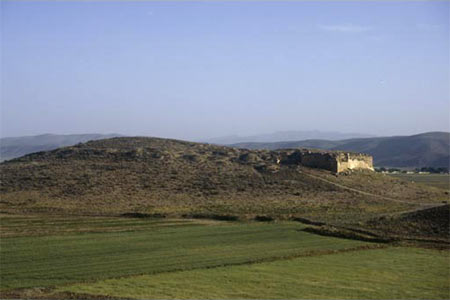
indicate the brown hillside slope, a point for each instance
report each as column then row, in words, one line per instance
column 426, row 223
column 150, row 175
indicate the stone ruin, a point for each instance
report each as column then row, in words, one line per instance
column 334, row 161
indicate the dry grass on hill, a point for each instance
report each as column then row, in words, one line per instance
column 175, row 178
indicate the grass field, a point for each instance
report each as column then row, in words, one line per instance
column 437, row 180
column 31, row 261
column 392, row 273
column 148, row 258
column 15, row 226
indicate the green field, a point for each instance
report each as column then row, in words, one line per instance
column 437, row 180
column 148, row 258
column 393, row 273
column 30, row 261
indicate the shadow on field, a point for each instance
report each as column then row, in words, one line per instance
column 211, row 217
column 142, row 215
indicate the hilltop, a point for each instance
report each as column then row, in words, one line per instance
column 430, row 149
column 12, row 147
column 176, row 178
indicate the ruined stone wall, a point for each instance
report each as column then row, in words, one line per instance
column 319, row 160
column 333, row 161
column 353, row 161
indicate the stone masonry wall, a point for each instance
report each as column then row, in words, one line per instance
column 320, row 160
column 334, row 161
column 351, row 161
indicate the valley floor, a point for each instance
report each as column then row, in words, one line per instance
column 86, row 257
column 441, row 181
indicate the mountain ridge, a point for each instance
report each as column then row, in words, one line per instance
column 284, row 136
column 430, row 149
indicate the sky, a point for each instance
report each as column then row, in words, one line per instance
column 193, row 70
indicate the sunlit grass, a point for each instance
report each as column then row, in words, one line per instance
column 392, row 273
column 39, row 261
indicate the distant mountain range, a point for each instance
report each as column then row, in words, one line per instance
column 285, row 136
column 12, row 147
column 431, row 149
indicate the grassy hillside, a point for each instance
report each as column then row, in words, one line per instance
column 175, row 178
column 422, row 150
column 429, row 223
column 13, row 147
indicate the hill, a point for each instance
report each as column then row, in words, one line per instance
column 424, row 223
column 430, row 149
column 152, row 176
column 13, row 147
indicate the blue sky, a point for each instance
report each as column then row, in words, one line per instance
column 204, row 69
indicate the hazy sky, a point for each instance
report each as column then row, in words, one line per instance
column 205, row 69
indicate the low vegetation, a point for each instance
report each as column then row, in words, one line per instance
column 122, row 257
column 441, row 181
column 392, row 273
column 426, row 224
column 62, row 257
